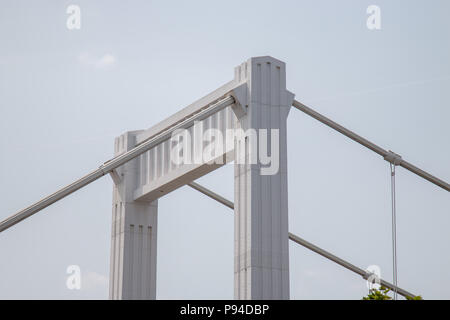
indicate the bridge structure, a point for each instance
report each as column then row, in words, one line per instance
column 245, row 122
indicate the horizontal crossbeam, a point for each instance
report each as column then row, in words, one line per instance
column 309, row 245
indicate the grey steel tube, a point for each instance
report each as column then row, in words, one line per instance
column 308, row 245
column 382, row 152
column 212, row 194
column 114, row 163
column 408, row 166
column 347, row 265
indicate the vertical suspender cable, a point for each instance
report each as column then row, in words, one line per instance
column 394, row 230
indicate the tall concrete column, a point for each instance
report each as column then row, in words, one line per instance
column 261, row 198
column 134, row 232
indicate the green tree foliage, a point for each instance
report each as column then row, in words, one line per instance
column 376, row 294
column 414, row 298
column 382, row 294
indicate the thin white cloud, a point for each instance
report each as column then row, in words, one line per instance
column 94, row 281
column 106, row 61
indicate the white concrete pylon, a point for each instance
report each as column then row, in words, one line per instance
column 261, row 201
column 133, row 234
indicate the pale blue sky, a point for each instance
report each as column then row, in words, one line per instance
column 65, row 95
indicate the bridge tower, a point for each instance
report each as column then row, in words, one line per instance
column 133, row 232
column 261, row 253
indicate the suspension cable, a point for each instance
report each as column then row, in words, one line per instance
column 116, row 162
column 387, row 155
column 365, row 274
column 394, row 229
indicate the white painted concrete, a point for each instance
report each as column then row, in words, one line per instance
column 159, row 175
column 134, row 233
column 261, row 201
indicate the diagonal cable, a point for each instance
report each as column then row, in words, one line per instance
column 365, row 274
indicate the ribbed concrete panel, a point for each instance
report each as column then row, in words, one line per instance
column 162, row 175
column 261, row 212
column 134, row 231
